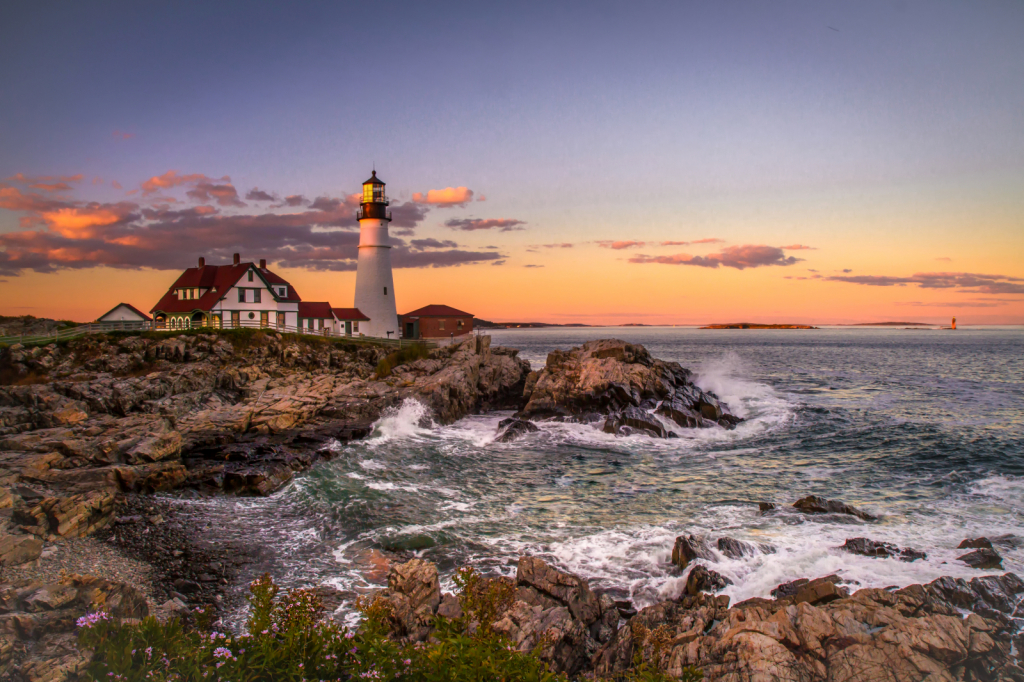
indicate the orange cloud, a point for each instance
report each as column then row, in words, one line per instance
column 172, row 179
column 80, row 223
column 799, row 247
column 51, row 187
column 449, row 196
column 619, row 245
column 115, row 184
column 739, row 257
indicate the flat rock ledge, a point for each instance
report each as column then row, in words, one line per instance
column 814, row 631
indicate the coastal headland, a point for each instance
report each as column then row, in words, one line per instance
column 92, row 427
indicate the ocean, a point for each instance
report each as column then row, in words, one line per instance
column 924, row 428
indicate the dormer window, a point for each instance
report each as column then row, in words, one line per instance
column 250, row 275
column 283, row 291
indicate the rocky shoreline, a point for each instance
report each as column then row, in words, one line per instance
column 90, row 428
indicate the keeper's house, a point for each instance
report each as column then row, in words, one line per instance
column 240, row 295
column 435, row 322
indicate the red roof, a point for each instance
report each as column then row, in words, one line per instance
column 315, row 309
column 130, row 307
column 350, row 314
column 217, row 279
column 434, row 310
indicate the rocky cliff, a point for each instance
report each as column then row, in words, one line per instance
column 235, row 412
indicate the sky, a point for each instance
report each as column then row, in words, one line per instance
column 576, row 162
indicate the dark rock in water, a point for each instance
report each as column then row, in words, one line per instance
column 765, row 507
column 814, row 504
column 688, row 548
column 873, row 548
column 790, row 588
column 514, row 429
column 709, row 407
column 1008, row 540
column 682, row 415
column 642, row 421
column 982, row 558
column 975, row 543
column 735, row 549
column 609, row 376
column 729, row 421
column 702, row 579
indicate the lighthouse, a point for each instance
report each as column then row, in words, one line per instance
column 375, row 287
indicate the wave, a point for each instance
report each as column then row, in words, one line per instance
column 411, row 419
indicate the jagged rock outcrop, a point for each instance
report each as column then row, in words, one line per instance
column 513, row 429
column 624, row 387
column 914, row 633
column 982, row 558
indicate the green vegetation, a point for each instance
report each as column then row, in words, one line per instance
column 289, row 640
column 418, row 351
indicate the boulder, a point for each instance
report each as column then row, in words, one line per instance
column 514, row 429
column 680, row 413
column 982, row 558
column 690, row 547
column 634, row 420
column 819, row 505
column 417, row 580
column 737, row 549
column 564, row 588
column 702, row 579
column 873, row 548
column 975, row 543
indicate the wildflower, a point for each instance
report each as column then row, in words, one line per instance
column 91, row 619
column 349, row 635
column 408, row 661
column 222, row 652
column 149, row 651
column 300, row 665
column 133, row 652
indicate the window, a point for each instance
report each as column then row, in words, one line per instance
column 235, row 318
column 252, row 316
column 264, row 319
column 385, row 291
column 440, row 324
column 283, row 290
column 280, row 320
column 309, row 323
column 256, row 297
column 250, row 275
column 461, row 324
column 319, row 324
column 355, row 327
column 241, row 295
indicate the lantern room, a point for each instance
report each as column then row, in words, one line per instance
column 373, row 191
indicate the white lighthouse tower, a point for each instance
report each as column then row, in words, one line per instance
column 375, row 287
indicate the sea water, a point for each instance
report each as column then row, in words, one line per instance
column 924, row 428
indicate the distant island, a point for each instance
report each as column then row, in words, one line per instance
column 890, row 324
column 750, row 325
column 487, row 324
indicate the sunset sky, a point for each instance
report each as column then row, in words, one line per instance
column 659, row 163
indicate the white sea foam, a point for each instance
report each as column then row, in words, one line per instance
column 406, row 421
column 372, row 465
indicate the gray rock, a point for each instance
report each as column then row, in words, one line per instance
column 873, row 548
column 565, row 588
column 982, row 559
column 819, row 505
column 690, row 547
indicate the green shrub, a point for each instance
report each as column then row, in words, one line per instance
column 288, row 640
column 411, row 353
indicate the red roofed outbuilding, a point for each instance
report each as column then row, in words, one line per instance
column 435, row 322
column 349, row 319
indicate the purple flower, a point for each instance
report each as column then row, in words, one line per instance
column 91, row 619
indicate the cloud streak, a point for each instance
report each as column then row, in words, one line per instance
column 738, row 257
column 472, row 224
column 968, row 282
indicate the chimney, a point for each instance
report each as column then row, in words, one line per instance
column 202, row 262
column 238, row 259
column 263, row 263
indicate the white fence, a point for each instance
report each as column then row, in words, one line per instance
column 105, row 327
